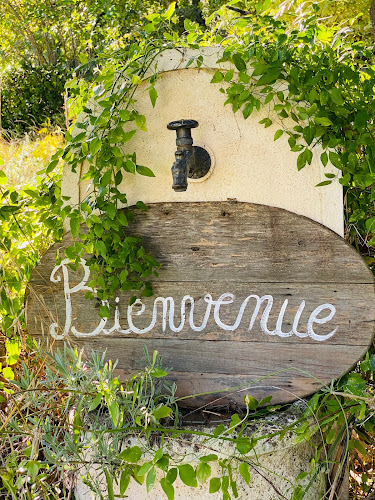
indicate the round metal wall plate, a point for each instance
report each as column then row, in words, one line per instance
column 202, row 163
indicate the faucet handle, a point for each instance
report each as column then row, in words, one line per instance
column 179, row 124
column 183, row 131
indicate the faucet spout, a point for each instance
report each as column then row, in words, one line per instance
column 180, row 169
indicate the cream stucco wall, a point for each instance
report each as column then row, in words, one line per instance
column 248, row 164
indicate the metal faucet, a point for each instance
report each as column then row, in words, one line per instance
column 191, row 161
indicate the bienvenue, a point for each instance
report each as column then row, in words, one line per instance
column 164, row 308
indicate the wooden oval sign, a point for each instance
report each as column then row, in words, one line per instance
column 248, row 295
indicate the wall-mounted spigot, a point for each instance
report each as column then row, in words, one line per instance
column 191, row 161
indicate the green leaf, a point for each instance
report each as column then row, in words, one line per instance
column 104, row 312
column 141, row 205
column 324, row 158
column 172, row 475
column 106, row 178
column 109, row 481
column 145, row 468
column 140, row 121
column 144, row 171
column 8, row 373
column 251, row 402
column 228, row 75
column 153, row 95
column 218, row 77
column 267, row 122
column 219, row 430
column 335, row 159
column 131, row 455
column 323, row 120
column 215, row 485
column 162, row 412
column 244, row 470
column 187, row 475
column 114, row 409
column 358, row 445
column 209, row 458
column 95, row 145
column 169, row 13
column 238, row 62
column 124, row 481
column 3, row 177
column 128, row 135
column 150, row 480
column 278, row 134
column 361, row 119
column 244, row 445
column 324, row 183
column 167, row 488
column 96, row 402
column 101, row 248
column 268, row 78
column 336, row 96
column 13, row 350
column 33, row 468
column 203, row 472
column 52, row 165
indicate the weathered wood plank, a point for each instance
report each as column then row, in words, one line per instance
column 222, row 241
column 310, row 316
column 203, row 366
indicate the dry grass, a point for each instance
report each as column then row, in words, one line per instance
column 24, row 158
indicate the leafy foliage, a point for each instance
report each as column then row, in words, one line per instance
column 32, row 96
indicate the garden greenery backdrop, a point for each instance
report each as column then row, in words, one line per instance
column 57, row 56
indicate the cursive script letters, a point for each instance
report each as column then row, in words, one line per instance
column 164, row 308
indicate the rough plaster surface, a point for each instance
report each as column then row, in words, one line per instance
column 248, row 164
column 275, row 465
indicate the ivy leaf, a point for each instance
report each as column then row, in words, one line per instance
column 124, row 481
column 323, row 120
column 169, row 13
column 335, row 159
column 244, row 470
column 150, row 480
column 104, row 312
column 244, row 445
column 153, row 95
column 131, row 455
column 215, row 485
column 128, row 135
column 172, row 475
column 140, row 121
column 3, row 177
column 145, row 171
column 218, row 77
column 278, row 134
column 167, row 488
column 162, row 412
column 95, row 145
column 203, row 472
column 187, row 475
column 267, row 122
column 238, row 62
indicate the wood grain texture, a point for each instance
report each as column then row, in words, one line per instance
column 242, row 249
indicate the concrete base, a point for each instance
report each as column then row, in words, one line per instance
column 275, row 465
